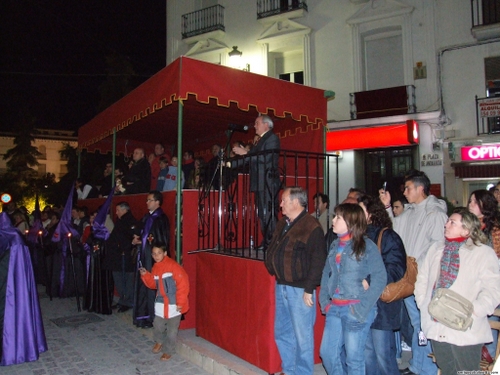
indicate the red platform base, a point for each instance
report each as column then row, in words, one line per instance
column 235, row 309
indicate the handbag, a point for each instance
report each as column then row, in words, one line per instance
column 406, row 285
column 451, row 309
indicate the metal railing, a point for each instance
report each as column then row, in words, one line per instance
column 203, row 21
column 229, row 221
column 488, row 115
column 268, row 8
column 485, row 12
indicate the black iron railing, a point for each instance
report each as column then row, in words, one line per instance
column 268, row 8
column 203, row 21
column 485, row 12
column 231, row 224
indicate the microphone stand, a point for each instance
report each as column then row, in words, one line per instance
column 219, row 170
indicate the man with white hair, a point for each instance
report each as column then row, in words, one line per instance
column 264, row 174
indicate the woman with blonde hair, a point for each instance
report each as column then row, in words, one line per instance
column 465, row 265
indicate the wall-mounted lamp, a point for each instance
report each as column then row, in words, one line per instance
column 235, row 59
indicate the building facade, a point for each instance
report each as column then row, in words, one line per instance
column 422, row 67
column 49, row 143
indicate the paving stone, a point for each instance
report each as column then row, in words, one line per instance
column 111, row 345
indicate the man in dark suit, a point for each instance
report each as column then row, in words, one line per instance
column 120, row 257
column 264, row 174
column 156, row 228
column 138, row 178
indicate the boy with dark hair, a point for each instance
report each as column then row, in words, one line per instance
column 162, row 175
column 172, row 288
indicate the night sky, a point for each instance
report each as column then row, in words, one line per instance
column 52, row 55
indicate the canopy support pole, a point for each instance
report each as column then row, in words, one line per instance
column 326, row 182
column 79, row 154
column 178, row 196
column 113, row 156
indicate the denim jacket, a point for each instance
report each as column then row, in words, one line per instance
column 348, row 279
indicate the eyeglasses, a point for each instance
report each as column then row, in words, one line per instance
column 149, row 200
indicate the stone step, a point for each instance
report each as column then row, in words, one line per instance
column 210, row 357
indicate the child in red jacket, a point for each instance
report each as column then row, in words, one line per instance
column 172, row 288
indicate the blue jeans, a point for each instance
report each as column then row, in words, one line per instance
column 380, row 353
column 420, row 363
column 397, row 339
column 293, row 330
column 342, row 329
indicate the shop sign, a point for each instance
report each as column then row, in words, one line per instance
column 373, row 137
column 431, row 160
column 481, row 152
column 489, row 107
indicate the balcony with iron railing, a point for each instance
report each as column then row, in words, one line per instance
column 485, row 19
column 203, row 21
column 390, row 101
column 286, row 8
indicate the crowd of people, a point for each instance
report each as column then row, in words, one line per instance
column 160, row 171
column 367, row 245
column 87, row 255
column 352, row 253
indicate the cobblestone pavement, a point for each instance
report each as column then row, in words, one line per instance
column 93, row 344
column 104, row 345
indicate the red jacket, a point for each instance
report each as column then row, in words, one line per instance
column 172, row 284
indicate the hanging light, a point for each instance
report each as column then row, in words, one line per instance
column 235, row 58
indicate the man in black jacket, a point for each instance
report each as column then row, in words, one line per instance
column 296, row 258
column 138, row 178
column 264, row 174
column 119, row 258
column 156, row 228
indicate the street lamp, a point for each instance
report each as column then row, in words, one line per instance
column 235, row 59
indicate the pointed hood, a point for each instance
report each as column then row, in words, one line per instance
column 65, row 226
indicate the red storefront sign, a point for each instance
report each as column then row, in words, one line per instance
column 375, row 137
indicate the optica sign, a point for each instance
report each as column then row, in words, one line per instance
column 482, row 152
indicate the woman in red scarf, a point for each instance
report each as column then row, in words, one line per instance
column 465, row 265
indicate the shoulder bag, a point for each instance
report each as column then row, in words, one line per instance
column 451, row 309
column 404, row 287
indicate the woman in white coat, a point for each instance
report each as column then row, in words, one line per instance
column 465, row 265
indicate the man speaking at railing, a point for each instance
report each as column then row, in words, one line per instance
column 264, row 174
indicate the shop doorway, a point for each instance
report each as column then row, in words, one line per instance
column 387, row 165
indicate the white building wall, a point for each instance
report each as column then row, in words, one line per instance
column 436, row 28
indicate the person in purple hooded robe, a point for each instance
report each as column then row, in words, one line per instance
column 23, row 335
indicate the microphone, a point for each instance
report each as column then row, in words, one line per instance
column 238, row 128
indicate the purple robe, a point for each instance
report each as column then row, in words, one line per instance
column 23, row 335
